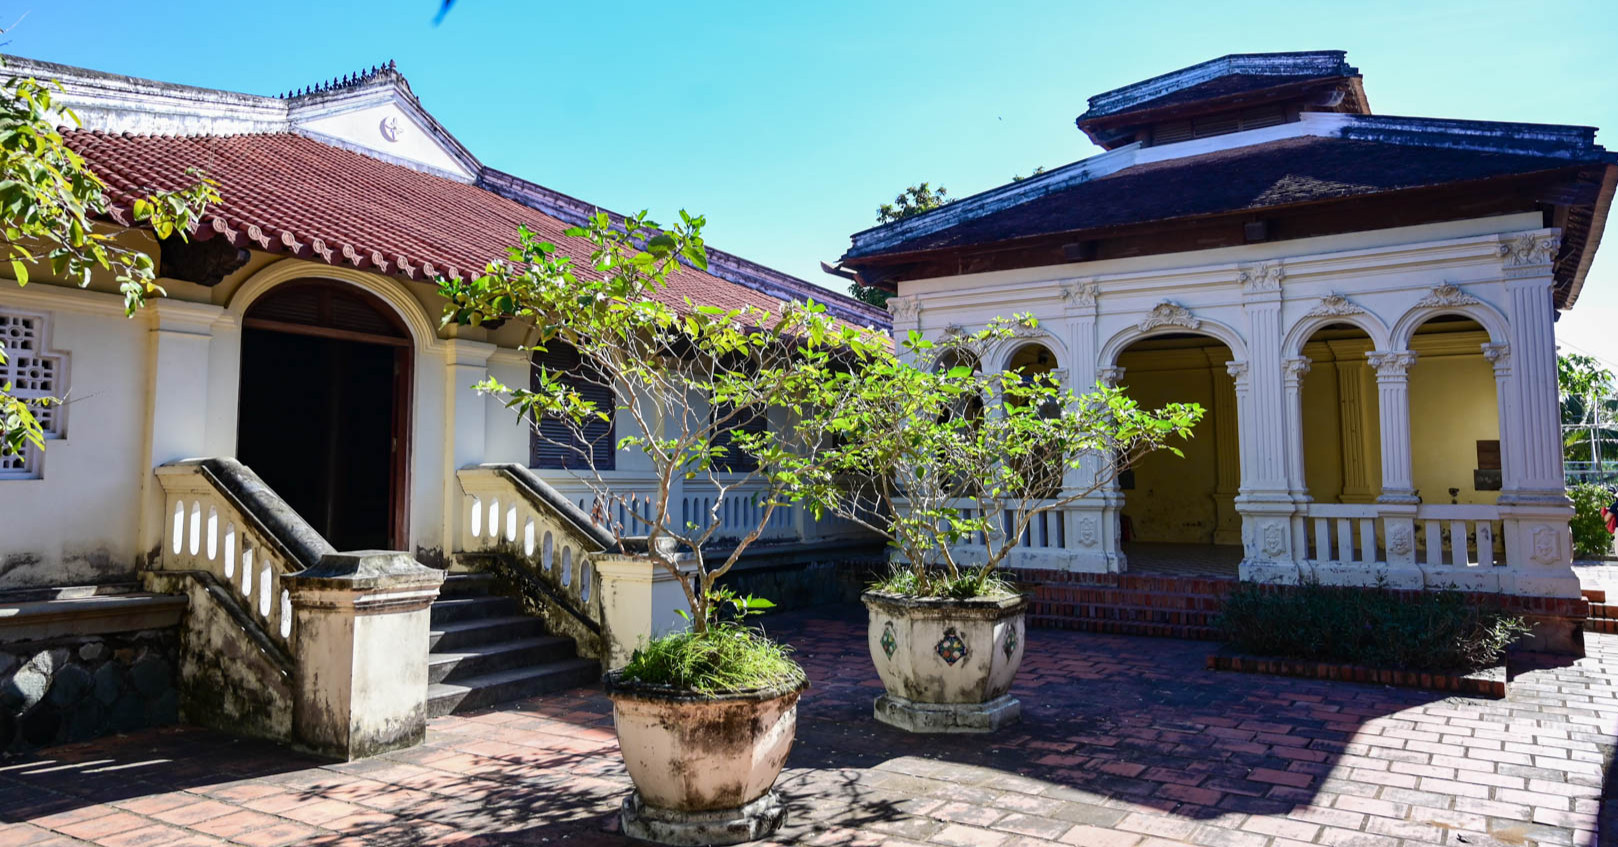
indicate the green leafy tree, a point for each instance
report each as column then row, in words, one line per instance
column 50, row 202
column 1589, row 409
column 953, row 465
column 912, row 201
column 692, row 378
column 1591, row 540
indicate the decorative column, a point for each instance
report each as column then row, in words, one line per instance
column 1266, row 502
column 1356, row 427
column 361, row 620
column 1227, row 456
column 1091, row 525
column 1533, row 500
column 1393, row 405
column 177, row 410
column 1293, row 372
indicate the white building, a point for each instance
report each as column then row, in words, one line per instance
column 1366, row 305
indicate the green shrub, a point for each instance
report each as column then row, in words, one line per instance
column 938, row 583
column 1590, row 537
column 1374, row 627
column 728, row 657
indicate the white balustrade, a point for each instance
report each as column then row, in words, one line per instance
column 1459, row 536
column 1344, row 533
column 209, row 533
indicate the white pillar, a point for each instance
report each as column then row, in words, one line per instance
column 1294, row 370
column 1393, row 405
column 1091, row 524
column 466, row 363
column 177, row 398
column 1266, row 502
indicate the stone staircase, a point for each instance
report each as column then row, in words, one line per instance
column 483, row 650
column 1169, row 606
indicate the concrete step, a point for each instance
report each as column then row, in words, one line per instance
column 479, row 661
column 503, row 686
column 89, row 615
column 1603, row 610
column 1124, row 627
column 460, row 635
column 473, row 607
column 466, row 585
column 1595, row 595
column 1606, row 625
column 1178, row 617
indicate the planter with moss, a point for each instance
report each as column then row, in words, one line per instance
column 946, row 663
column 704, row 759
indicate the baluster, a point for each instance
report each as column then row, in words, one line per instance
column 1486, row 543
column 1345, row 540
column 1435, row 542
column 1323, row 540
column 1457, row 544
column 1368, row 540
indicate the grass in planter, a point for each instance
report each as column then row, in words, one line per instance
column 729, row 657
column 1374, row 627
column 939, row 584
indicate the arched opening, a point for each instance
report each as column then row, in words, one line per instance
column 1454, row 414
column 1034, row 362
column 1179, row 514
column 1342, row 438
column 324, row 409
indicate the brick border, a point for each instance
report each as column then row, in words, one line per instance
column 1488, row 683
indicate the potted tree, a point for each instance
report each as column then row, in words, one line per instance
column 705, row 716
column 952, row 466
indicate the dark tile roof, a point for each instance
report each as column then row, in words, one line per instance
column 1247, row 69
column 284, row 193
column 1280, row 173
column 1221, row 87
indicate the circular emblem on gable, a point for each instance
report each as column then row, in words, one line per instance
column 389, row 128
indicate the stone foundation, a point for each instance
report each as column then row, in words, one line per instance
column 74, row 689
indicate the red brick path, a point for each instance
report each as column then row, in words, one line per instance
column 1125, row 741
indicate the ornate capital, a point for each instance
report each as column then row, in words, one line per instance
column 1391, row 365
column 1334, row 305
column 1110, row 377
column 1295, row 369
column 954, row 329
column 906, row 309
column 1079, row 294
column 1499, row 354
column 1169, row 313
column 1448, row 294
column 1522, row 250
column 1264, row 277
column 1237, row 370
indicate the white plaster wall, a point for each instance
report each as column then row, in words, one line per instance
column 363, row 127
column 78, row 524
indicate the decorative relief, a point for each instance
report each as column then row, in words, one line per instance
column 904, row 308
column 1169, row 313
column 890, row 642
column 1391, row 364
column 1275, row 540
column 954, row 329
column 1237, row 370
column 1080, row 294
column 1011, row 641
column 1265, row 277
column 1547, row 545
column 1399, row 541
column 1448, row 294
column 1088, row 531
column 951, row 648
column 1334, row 305
column 1110, row 376
column 1524, row 250
column 1296, row 368
column 1498, row 353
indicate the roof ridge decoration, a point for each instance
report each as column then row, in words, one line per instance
column 353, row 80
column 1321, row 63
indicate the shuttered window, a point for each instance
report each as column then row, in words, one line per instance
column 1222, row 123
column 734, row 459
column 561, row 444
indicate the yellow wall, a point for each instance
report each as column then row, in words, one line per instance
column 1322, row 432
column 1173, row 498
column 1452, row 407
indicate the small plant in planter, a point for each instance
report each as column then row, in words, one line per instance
column 953, row 466
column 705, row 716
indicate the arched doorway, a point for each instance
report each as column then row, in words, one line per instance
column 324, row 414
column 1454, row 414
column 1179, row 513
column 1342, row 440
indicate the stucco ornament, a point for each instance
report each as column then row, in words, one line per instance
column 1399, row 541
column 1079, row 294
column 1109, row 376
column 1391, row 364
column 1275, row 540
column 904, row 308
column 1169, row 313
column 1448, row 294
column 1530, row 250
column 890, row 642
column 1087, row 531
column 951, row 648
column 1334, row 305
column 389, row 127
column 1010, row 647
column 1546, row 545
column 1265, row 277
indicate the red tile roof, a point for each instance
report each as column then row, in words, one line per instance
column 285, row 193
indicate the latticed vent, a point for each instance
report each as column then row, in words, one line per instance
column 34, row 371
column 1222, row 123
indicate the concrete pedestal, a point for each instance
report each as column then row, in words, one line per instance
column 912, row 716
column 756, row 820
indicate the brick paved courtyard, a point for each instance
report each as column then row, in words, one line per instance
column 1125, row 741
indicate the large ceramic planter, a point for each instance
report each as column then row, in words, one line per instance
column 703, row 766
column 947, row 665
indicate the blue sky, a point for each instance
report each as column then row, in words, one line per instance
column 787, row 123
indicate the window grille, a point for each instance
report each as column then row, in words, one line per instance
column 34, row 371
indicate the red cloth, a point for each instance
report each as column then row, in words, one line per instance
column 1611, row 519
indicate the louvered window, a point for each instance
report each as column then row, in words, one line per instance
column 1223, row 123
column 564, row 444
column 733, row 458
column 33, row 371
